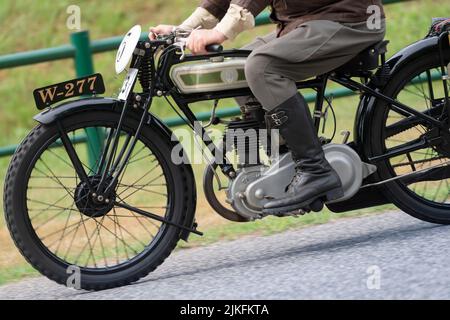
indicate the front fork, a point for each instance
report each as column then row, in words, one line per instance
column 113, row 161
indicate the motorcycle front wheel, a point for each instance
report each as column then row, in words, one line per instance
column 60, row 231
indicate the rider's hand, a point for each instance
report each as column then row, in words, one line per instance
column 199, row 39
column 162, row 29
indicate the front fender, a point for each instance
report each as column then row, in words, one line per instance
column 50, row 116
column 68, row 108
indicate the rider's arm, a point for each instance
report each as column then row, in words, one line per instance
column 200, row 18
column 236, row 15
column 236, row 20
column 219, row 8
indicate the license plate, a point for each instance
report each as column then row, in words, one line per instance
column 90, row 85
column 128, row 84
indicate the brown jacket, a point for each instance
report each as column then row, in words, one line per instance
column 289, row 14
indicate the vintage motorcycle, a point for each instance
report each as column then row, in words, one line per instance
column 116, row 209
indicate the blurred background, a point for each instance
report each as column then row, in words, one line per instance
column 29, row 25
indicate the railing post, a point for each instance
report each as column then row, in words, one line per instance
column 84, row 66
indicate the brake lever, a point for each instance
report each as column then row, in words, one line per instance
column 181, row 37
column 182, row 45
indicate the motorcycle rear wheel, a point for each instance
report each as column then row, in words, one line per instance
column 419, row 86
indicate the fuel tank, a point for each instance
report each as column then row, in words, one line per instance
column 211, row 75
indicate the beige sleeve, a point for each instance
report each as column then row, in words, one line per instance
column 200, row 18
column 235, row 21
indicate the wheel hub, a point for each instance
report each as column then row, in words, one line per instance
column 443, row 138
column 444, row 147
column 441, row 134
column 92, row 204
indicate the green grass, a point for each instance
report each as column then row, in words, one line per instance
column 30, row 24
column 11, row 274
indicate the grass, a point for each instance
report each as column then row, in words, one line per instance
column 11, row 274
column 28, row 24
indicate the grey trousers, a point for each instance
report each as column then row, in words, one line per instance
column 314, row 48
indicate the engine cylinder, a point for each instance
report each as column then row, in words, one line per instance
column 245, row 134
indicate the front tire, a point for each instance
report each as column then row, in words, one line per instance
column 128, row 246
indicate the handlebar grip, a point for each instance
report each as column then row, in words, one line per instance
column 214, row 48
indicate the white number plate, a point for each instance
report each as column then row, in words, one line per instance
column 128, row 84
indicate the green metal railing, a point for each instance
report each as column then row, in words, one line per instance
column 82, row 49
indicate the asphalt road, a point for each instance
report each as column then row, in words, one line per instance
column 386, row 256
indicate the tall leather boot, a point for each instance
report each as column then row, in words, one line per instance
column 314, row 178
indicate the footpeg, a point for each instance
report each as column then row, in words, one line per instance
column 296, row 213
column 316, row 205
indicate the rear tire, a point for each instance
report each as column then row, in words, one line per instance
column 416, row 199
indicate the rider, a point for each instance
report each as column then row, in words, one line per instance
column 312, row 38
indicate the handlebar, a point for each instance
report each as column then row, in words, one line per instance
column 214, row 48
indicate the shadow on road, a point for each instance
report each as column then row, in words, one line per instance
column 386, row 235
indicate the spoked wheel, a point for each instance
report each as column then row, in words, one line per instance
column 425, row 191
column 57, row 221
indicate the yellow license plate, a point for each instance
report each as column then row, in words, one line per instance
column 90, row 85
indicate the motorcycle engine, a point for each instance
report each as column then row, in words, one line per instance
column 257, row 183
column 255, row 186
